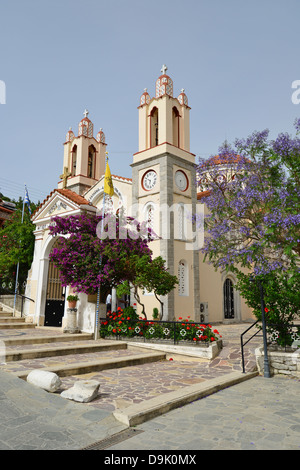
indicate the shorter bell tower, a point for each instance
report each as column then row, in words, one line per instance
column 84, row 157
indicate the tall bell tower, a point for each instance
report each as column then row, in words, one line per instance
column 164, row 190
column 84, row 157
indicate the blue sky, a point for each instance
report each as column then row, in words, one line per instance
column 236, row 60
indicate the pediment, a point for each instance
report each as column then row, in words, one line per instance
column 55, row 205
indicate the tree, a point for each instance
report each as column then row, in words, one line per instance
column 151, row 275
column 253, row 204
column 156, row 278
column 86, row 261
column 16, row 246
column 253, row 219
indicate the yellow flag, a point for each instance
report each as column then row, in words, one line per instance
column 108, row 184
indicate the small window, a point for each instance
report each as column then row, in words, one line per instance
column 154, row 127
column 74, row 160
column 91, row 162
column 183, row 278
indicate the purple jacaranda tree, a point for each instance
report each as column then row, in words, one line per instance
column 253, row 202
column 252, row 225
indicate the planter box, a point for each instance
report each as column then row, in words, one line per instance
column 187, row 348
column 281, row 361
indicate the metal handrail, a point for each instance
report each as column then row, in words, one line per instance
column 22, row 302
column 255, row 334
column 244, row 344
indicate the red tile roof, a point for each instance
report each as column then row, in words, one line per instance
column 68, row 193
column 203, row 194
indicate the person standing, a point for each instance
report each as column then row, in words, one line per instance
column 108, row 303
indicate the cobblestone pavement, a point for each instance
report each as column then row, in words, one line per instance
column 125, row 386
column 257, row 414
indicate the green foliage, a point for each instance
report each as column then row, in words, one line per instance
column 281, row 293
column 150, row 274
column 72, row 298
column 155, row 314
column 16, row 245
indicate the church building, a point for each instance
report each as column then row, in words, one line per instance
column 162, row 192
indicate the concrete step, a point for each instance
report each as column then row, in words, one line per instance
column 18, row 325
column 79, row 368
column 5, row 314
column 149, row 409
column 40, row 339
column 6, row 319
column 52, row 350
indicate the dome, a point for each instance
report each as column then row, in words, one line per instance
column 86, row 126
column 164, row 84
column 101, row 137
column 145, row 98
column 70, row 135
column 182, row 98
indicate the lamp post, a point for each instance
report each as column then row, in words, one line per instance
column 263, row 320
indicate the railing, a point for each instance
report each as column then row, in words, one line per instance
column 24, row 298
column 271, row 337
column 244, row 344
column 8, row 300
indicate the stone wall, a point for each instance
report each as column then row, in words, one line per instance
column 280, row 361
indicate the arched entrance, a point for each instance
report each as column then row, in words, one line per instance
column 228, row 296
column 55, row 298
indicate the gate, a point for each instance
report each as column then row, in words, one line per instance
column 55, row 299
column 228, row 299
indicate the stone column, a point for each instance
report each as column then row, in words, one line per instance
column 71, row 321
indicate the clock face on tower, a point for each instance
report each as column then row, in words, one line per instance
column 149, row 180
column 181, row 180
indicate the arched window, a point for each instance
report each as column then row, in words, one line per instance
column 74, row 160
column 154, row 127
column 175, row 125
column 183, row 286
column 149, row 215
column 228, row 295
column 91, row 162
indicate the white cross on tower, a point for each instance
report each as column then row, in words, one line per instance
column 164, row 69
column 85, row 113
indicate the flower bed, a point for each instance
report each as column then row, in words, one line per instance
column 127, row 325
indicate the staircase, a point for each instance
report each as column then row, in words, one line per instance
column 26, row 347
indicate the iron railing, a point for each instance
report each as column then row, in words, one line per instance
column 271, row 336
column 9, row 301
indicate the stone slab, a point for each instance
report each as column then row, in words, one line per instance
column 149, row 409
column 82, row 391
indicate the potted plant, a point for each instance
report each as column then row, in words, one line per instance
column 72, row 299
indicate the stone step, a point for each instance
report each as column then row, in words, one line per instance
column 53, row 350
column 5, row 314
column 149, row 409
column 7, row 319
column 40, row 339
column 18, row 325
column 79, row 368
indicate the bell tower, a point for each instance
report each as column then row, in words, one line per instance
column 164, row 119
column 84, row 157
column 164, row 190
